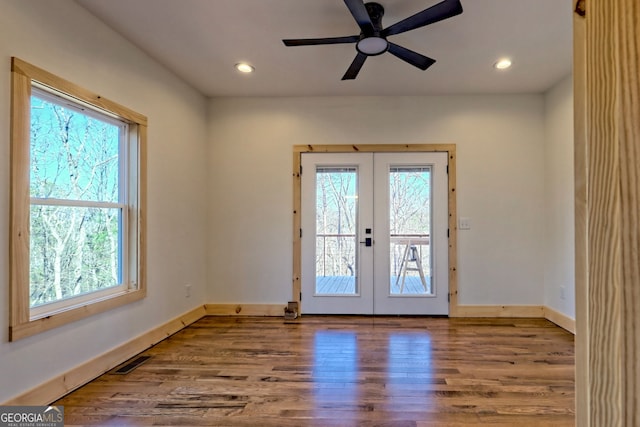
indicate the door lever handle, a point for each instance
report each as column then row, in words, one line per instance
column 367, row 241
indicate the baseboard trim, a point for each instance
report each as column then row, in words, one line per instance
column 269, row 310
column 562, row 320
column 535, row 311
column 61, row 385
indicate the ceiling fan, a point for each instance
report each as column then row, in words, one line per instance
column 372, row 39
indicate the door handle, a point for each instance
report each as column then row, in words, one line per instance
column 367, row 241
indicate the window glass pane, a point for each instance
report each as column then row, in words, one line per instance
column 73, row 155
column 336, row 208
column 74, row 250
column 410, row 230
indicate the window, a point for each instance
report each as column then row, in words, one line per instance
column 76, row 204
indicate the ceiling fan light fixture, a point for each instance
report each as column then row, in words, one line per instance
column 243, row 67
column 372, row 46
column 503, row 64
column 372, row 39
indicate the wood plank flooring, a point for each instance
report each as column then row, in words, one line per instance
column 342, row 371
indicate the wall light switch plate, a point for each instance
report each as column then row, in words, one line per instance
column 464, row 224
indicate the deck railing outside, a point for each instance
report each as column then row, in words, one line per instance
column 335, row 254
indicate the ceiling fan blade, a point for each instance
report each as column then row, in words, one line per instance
column 360, row 14
column 413, row 58
column 325, row 40
column 355, row 66
column 443, row 10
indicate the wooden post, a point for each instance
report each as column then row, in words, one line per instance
column 607, row 73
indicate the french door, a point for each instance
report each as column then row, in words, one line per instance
column 374, row 233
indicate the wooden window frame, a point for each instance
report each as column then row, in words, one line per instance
column 21, row 323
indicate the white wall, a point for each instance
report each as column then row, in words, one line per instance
column 500, row 142
column 559, row 262
column 63, row 38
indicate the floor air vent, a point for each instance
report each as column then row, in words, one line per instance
column 130, row 366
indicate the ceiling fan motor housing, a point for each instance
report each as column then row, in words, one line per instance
column 373, row 44
column 376, row 12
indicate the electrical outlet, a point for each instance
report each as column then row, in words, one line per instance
column 563, row 292
column 187, row 290
column 464, row 224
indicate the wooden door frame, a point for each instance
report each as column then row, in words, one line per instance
column 450, row 149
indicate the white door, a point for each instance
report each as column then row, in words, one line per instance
column 411, row 264
column 374, row 233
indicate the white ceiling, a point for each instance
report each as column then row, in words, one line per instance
column 201, row 40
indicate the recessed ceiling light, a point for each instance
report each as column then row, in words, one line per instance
column 502, row 64
column 243, row 67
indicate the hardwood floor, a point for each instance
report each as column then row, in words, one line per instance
column 342, row 371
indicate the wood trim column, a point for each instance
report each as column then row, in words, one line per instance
column 607, row 234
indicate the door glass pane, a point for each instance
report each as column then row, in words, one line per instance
column 410, row 230
column 336, row 210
